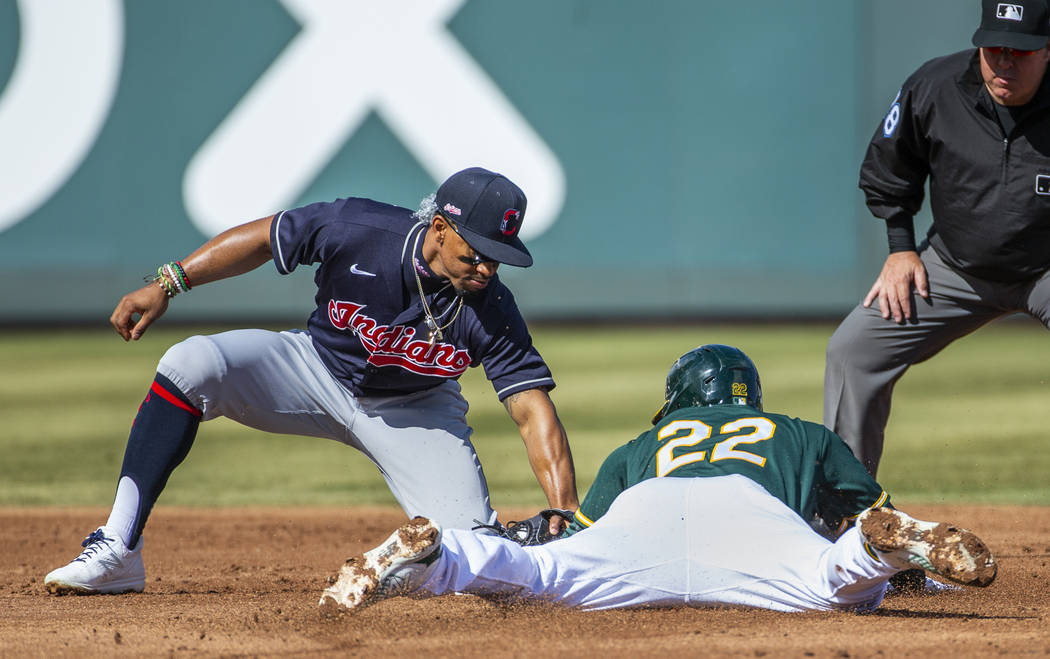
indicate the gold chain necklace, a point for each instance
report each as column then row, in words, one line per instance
column 434, row 332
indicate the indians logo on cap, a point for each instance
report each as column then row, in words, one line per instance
column 452, row 210
column 1009, row 12
column 511, row 222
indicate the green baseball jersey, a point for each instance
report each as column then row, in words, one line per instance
column 803, row 464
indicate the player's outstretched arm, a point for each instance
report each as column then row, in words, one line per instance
column 548, row 449
column 232, row 252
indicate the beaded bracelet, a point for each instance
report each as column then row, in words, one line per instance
column 171, row 277
column 164, row 283
column 182, row 274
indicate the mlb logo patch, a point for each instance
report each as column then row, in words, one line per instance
column 1009, row 12
column 1042, row 184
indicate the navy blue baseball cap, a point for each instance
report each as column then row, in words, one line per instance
column 1018, row 24
column 487, row 210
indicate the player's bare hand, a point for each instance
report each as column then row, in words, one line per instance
column 557, row 524
column 902, row 272
column 137, row 310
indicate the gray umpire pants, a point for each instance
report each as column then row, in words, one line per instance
column 867, row 354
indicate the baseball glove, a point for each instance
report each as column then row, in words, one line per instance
column 532, row 531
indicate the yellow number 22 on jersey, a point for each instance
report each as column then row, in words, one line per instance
column 666, row 460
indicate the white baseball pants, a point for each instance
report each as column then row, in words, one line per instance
column 721, row 541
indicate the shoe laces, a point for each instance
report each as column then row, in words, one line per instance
column 92, row 545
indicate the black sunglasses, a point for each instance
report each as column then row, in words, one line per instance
column 999, row 50
column 473, row 261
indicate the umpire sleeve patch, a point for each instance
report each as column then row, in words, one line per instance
column 893, row 118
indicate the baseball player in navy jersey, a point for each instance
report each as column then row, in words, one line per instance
column 709, row 507
column 406, row 302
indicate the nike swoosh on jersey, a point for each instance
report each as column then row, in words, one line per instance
column 357, row 271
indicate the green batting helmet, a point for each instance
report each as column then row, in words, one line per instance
column 711, row 375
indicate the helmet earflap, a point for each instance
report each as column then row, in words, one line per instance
column 711, row 374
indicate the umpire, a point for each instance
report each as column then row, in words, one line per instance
column 976, row 124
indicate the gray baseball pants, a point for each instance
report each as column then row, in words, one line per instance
column 275, row 381
column 867, row 354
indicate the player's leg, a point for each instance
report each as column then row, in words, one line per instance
column 264, row 379
column 160, row 438
column 867, row 354
column 665, row 542
column 635, row 555
column 271, row 381
column 767, row 556
column 632, row 556
column 396, row 567
column 893, row 538
column 421, row 444
column 887, row 542
column 670, row 541
column 673, row 541
column 590, row 569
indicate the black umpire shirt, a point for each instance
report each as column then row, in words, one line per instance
column 989, row 188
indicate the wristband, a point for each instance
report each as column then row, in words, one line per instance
column 900, row 234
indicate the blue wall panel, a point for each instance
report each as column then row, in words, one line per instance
column 706, row 152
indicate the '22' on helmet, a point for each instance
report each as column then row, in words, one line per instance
column 711, row 375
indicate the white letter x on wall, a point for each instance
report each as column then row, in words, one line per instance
column 350, row 57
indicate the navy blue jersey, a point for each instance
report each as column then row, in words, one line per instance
column 369, row 325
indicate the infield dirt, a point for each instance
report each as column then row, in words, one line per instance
column 245, row 582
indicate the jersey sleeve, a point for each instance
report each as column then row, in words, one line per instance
column 608, row 484
column 850, row 489
column 896, row 164
column 300, row 236
column 511, row 361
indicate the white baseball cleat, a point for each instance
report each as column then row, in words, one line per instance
column 105, row 566
column 904, row 542
column 396, row 567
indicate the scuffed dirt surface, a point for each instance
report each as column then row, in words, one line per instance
column 246, row 582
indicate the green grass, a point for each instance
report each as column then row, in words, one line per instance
column 966, row 427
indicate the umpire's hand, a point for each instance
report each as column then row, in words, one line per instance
column 900, row 273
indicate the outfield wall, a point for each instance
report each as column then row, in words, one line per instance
column 681, row 157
